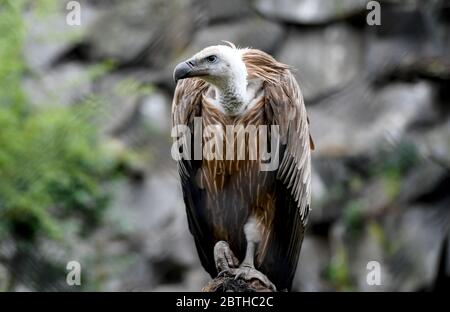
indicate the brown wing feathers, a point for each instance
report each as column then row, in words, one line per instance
column 283, row 95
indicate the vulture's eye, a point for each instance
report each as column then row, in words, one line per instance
column 212, row 59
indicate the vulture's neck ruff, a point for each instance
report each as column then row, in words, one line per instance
column 231, row 96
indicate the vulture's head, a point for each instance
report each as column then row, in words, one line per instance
column 221, row 66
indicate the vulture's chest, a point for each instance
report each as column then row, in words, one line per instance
column 230, row 175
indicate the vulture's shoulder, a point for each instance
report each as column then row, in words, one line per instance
column 261, row 65
column 187, row 100
column 285, row 107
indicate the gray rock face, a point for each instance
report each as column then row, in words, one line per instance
column 142, row 30
column 313, row 261
column 329, row 198
column 155, row 109
column 309, row 11
column 158, row 221
column 217, row 10
column 251, row 32
column 4, row 277
column 362, row 121
column 406, row 245
column 48, row 35
column 62, row 85
column 375, row 198
column 435, row 144
column 419, row 233
column 428, row 174
column 324, row 59
column 118, row 101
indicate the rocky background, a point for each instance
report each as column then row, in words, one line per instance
column 378, row 102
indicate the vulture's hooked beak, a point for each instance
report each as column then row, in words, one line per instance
column 182, row 71
column 187, row 69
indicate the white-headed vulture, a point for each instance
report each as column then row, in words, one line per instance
column 244, row 218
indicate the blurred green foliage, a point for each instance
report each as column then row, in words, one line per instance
column 337, row 273
column 394, row 165
column 11, row 64
column 353, row 217
column 401, row 159
column 53, row 165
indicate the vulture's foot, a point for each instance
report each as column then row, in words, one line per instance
column 224, row 258
column 248, row 273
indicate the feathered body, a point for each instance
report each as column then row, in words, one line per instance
column 222, row 195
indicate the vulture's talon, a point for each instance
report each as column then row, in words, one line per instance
column 248, row 273
column 224, row 257
column 224, row 272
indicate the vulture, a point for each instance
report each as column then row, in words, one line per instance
column 244, row 219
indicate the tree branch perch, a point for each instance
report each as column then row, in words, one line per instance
column 229, row 283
